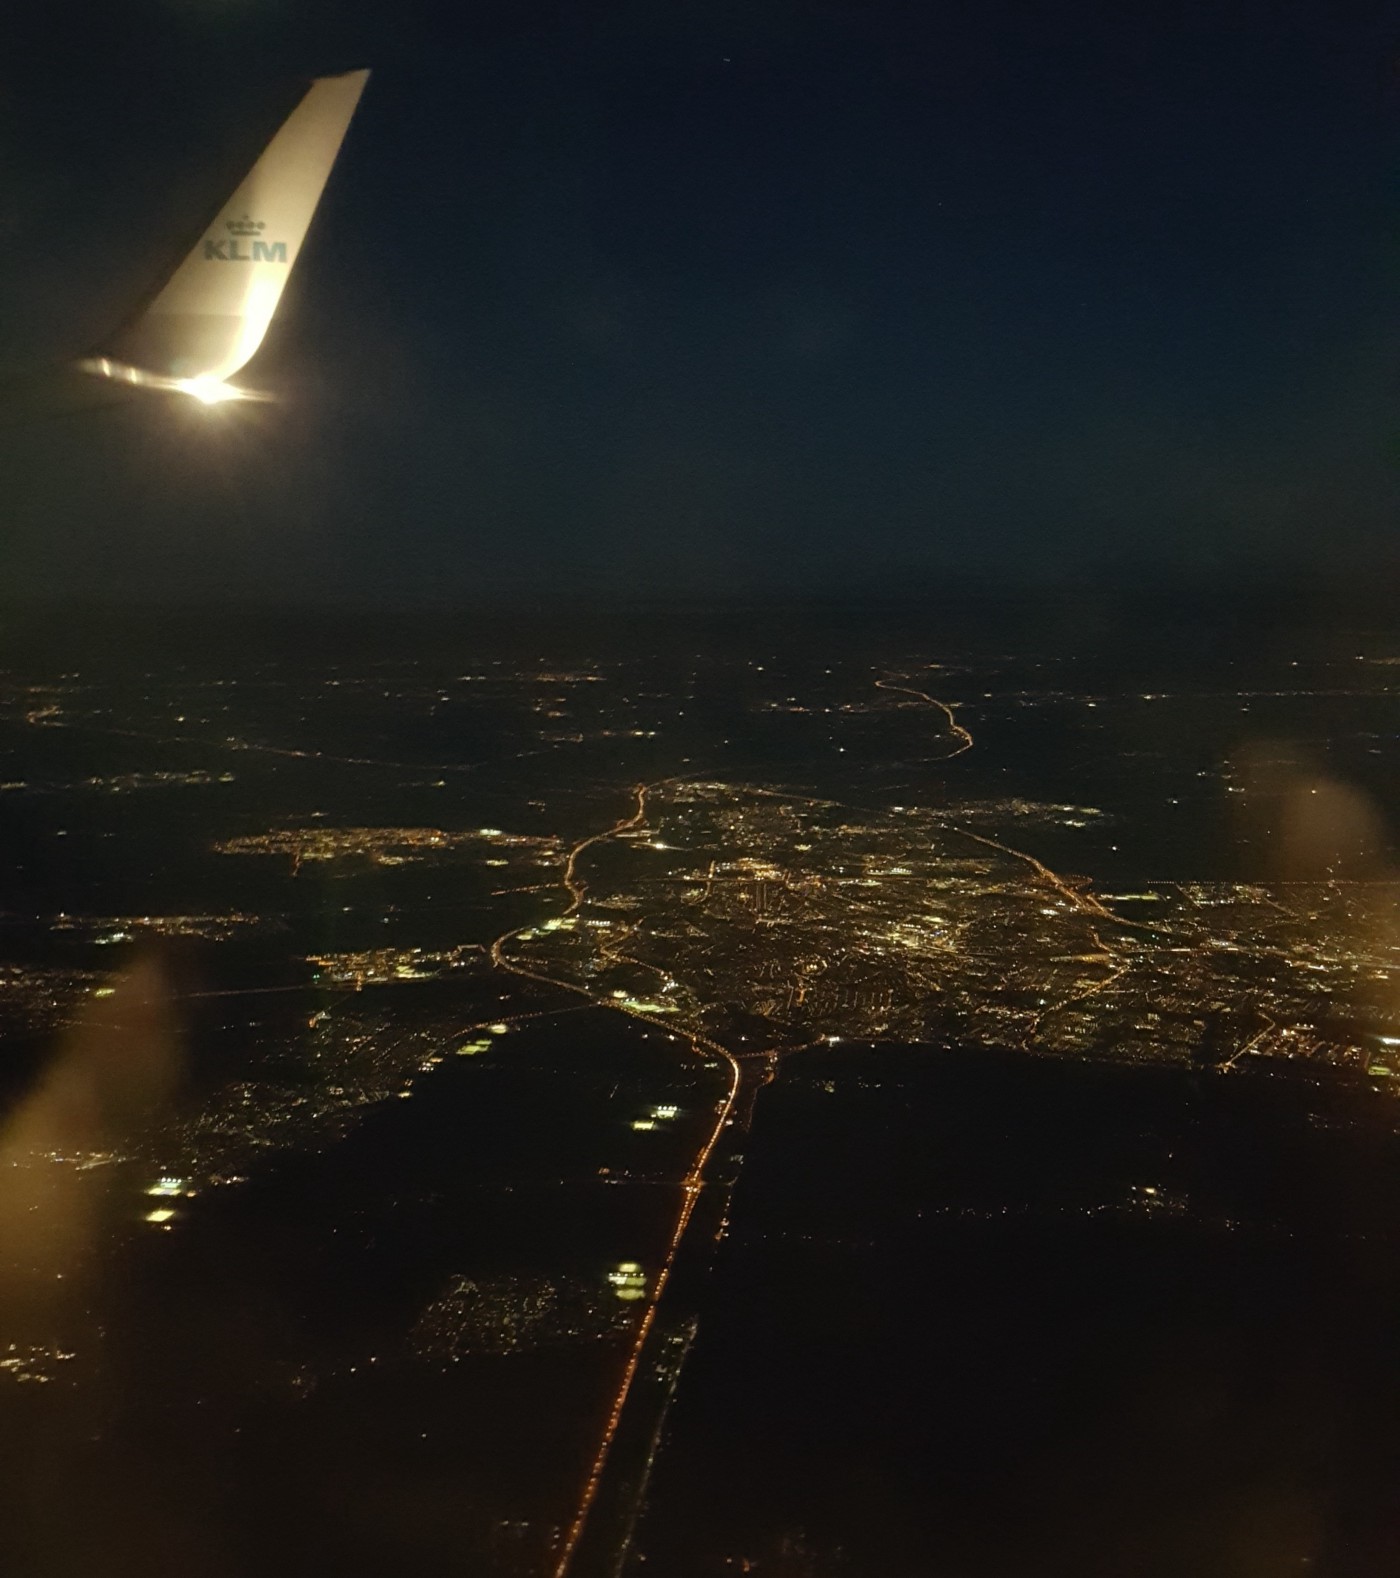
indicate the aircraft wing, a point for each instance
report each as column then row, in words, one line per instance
column 213, row 312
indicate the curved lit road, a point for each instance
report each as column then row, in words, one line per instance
column 691, row 1185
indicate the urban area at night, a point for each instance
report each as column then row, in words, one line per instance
column 699, row 738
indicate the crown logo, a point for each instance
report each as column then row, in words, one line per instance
column 244, row 226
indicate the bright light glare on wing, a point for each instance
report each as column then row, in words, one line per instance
column 210, row 391
column 207, row 390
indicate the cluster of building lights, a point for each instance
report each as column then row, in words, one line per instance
column 656, row 1117
column 166, row 1188
column 629, row 1281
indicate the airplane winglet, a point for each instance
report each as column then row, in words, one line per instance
column 214, row 311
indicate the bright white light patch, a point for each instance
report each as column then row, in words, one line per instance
column 628, row 1280
column 206, row 389
column 209, row 391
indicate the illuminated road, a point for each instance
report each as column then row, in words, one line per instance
column 960, row 734
column 1270, row 1024
column 691, row 1184
column 1076, row 896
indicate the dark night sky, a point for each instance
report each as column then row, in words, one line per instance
column 698, row 296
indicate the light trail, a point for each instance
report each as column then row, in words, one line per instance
column 578, row 889
column 1249, row 1045
column 1085, row 902
column 1076, row 896
column 691, row 1185
column 1119, row 967
column 965, row 740
column 1080, row 900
